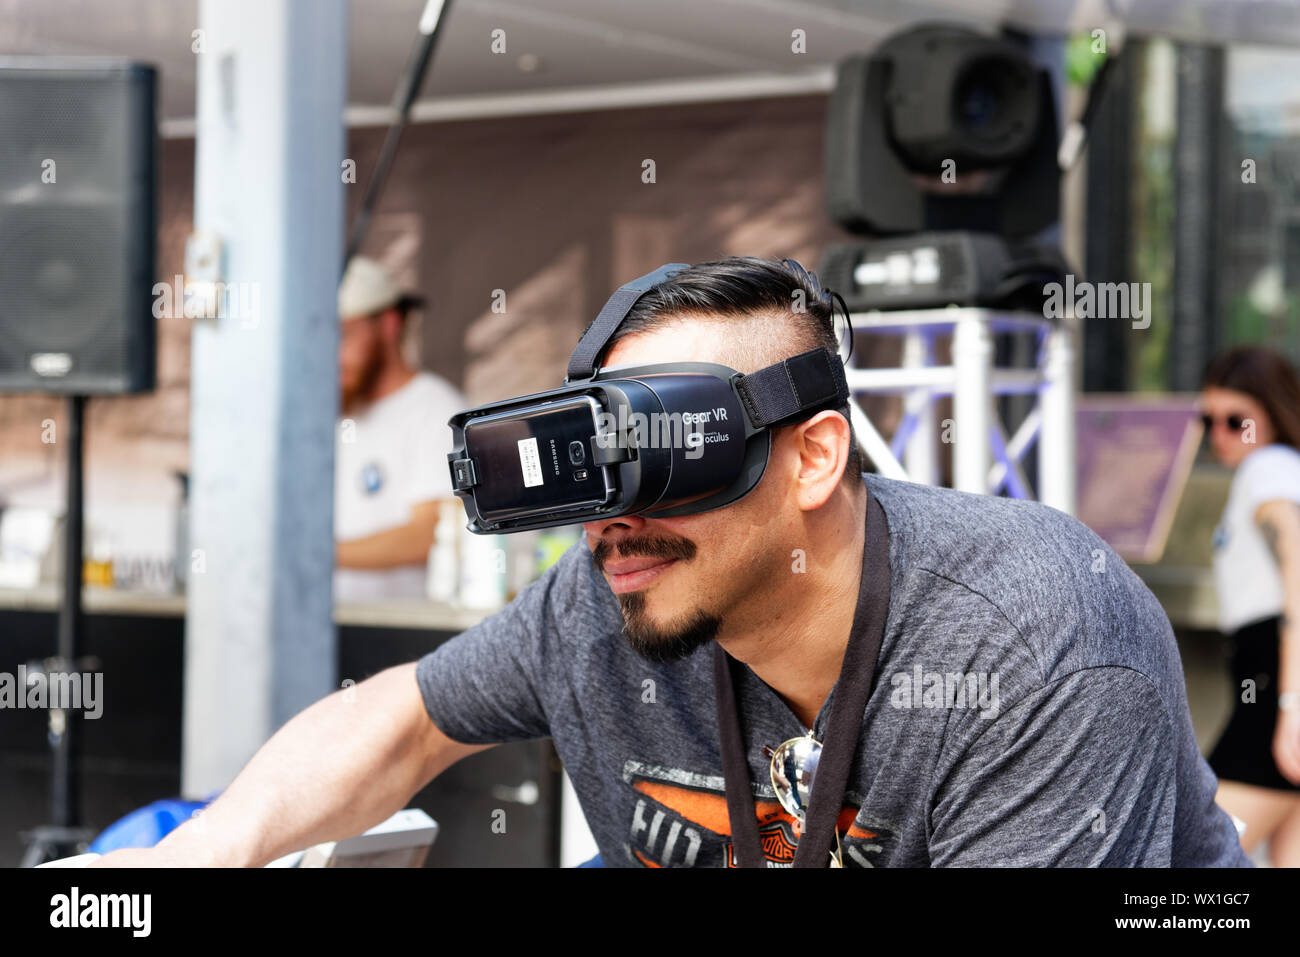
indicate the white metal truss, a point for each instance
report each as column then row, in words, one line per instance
column 985, row 459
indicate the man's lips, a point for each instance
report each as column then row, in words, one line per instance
column 629, row 574
column 626, row 566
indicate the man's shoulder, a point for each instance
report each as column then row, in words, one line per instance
column 1068, row 594
column 943, row 526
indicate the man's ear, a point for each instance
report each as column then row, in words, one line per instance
column 392, row 323
column 822, row 444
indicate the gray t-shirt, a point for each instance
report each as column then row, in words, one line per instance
column 1028, row 708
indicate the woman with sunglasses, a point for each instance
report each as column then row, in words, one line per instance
column 1250, row 405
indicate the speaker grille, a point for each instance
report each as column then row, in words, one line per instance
column 77, row 227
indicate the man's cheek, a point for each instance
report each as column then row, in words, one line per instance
column 698, row 572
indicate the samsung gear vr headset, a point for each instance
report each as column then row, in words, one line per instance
column 660, row 440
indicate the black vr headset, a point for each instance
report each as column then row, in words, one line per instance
column 661, row 440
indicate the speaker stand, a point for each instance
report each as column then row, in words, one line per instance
column 64, row 836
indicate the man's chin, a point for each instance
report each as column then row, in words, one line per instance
column 664, row 643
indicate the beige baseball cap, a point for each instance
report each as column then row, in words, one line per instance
column 367, row 288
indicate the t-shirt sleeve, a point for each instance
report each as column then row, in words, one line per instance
column 1271, row 474
column 429, row 476
column 1079, row 773
column 488, row 685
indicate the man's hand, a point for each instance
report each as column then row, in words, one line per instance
column 347, row 763
column 158, row 856
column 133, row 857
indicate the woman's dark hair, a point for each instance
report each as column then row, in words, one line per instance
column 1266, row 377
column 742, row 287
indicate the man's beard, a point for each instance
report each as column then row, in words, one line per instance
column 365, row 383
column 664, row 645
column 653, row 643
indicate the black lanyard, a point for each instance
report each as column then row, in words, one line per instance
column 842, row 728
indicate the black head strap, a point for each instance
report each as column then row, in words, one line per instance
column 773, row 395
column 582, row 364
column 793, row 387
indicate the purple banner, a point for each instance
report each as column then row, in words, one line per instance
column 1134, row 456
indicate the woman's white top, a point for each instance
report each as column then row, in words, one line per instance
column 1246, row 575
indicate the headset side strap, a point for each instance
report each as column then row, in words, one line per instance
column 805, row 383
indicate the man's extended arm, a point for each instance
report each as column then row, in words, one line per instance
column 336, row 769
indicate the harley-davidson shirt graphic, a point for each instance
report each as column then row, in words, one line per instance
column 679, row 819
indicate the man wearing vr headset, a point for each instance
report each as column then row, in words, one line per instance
column 772, row 658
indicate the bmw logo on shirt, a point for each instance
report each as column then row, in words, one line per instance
column 372, row 478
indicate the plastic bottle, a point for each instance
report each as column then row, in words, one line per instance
column 482, row 571
column 443, row 579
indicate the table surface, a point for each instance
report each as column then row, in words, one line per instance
column 1187, row 594
column 394, row 613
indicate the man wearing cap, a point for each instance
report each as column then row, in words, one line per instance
column 392, row 444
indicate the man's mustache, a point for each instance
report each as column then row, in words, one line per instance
column 642, row 546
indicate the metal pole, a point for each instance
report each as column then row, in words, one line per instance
column 877, row 448
column 1195, row 319
column 1056, row 444
column 920, row 458
column 972, row 357
column 430, row 27
column 64, row 808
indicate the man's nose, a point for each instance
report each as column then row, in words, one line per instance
column 612, row 528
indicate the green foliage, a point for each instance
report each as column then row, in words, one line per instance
column 1081, row 62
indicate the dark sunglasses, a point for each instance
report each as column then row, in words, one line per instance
column 1234, row 422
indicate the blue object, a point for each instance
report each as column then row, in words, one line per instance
column 145, row 826
column 594, row 862
column 372, row 478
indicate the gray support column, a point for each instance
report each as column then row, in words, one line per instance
column 259, row 637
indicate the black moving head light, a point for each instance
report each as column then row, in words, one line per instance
column 941, row 154
column 942, row 128
column 661, row 440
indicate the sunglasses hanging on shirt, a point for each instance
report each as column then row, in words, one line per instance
column 797, row 762
column 794, row 765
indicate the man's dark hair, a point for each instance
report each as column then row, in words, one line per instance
column 778, row 299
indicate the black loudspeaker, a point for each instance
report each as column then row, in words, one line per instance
column 78, row 221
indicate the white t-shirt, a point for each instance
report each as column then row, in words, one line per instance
column 389, row 457
column 1246, row 576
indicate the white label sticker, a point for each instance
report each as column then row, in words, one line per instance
column 531, row 462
